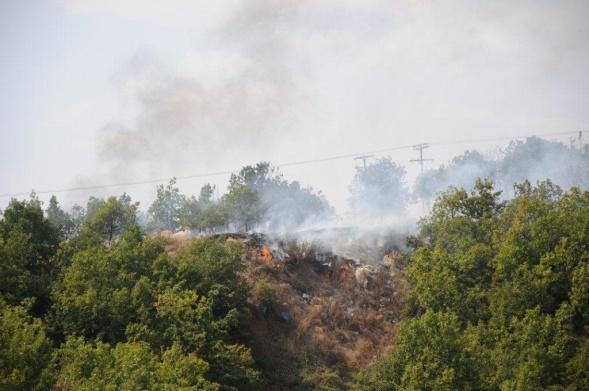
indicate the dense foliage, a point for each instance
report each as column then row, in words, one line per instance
column 28, row 243
column 257, row 196
column 500, row 295
column 260, row 195
column 108, row 309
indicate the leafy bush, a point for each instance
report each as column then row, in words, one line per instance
column 25, row 350
column 120, row 314
column 502, row 289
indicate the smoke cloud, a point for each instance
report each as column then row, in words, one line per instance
column 199, row 118
column 534, row 160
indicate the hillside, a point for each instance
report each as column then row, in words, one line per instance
column 487, row 294
column 314, row 316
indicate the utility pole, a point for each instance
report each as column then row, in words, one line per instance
column 420, row 148
column 578, row 141
column 363, row 158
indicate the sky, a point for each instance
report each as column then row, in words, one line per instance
column 110, row 91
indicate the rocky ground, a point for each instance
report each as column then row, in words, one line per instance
column 313, row 313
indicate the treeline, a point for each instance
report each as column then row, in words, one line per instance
column 499, row 300
column 534, row 159
column 500, row 295
column 257, row 197
column 380, row 190
column 89, row 299
column 107, row 308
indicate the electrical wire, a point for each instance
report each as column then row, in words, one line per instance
column 286, row 164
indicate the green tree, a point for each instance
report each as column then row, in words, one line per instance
column 515, row 275
column 60, row 219
column 452, row 268
column 202, row 213
column 131, row 292
column 461, row 172
column 577, row 369
column 102, row 290
column 211, row 268
column 190, row 213
column 243, row 207
column 212, row 218
column 92, row 205
column 112, row 217
column 530, row 353
column 188, row 320
column 205, row 197
column 260, row 194
column 127, row 366
column 25, row 350
column 258, row 177
column 28, row 243
column 379, row 189
column 533, row 159
column 168, row 208
column 429, row 354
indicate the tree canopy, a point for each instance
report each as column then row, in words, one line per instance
column 499, row 294
column 378, row 189
column 108, row 309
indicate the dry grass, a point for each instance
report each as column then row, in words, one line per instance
column 174, row 242
column 340, row 320
column 336, row 325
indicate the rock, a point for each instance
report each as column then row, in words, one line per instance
column 306, row 298
column 362, row 275
column 393, row 261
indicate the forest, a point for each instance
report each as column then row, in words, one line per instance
column 495, row 283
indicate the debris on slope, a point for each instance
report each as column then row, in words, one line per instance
column 312, row 308
column 367, row 246
column 326, row 308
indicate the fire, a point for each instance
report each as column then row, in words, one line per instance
column 345, row 266
column 266, row 254
column 344, row 269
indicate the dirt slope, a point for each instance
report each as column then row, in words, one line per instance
column 315, row 317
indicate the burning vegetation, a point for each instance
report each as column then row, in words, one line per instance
column 486, row 293
column 311, row 308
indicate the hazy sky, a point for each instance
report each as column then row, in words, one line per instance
column 106, row 91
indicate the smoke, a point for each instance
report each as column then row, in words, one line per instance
column 382, row 216
column 292, row 207
column 462, row 171
column 200, row 116
column 378, row 190
column 534, row 160
column 378, row 72
column 537, row 160
column 294, row 80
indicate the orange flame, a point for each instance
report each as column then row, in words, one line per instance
column 266, row 254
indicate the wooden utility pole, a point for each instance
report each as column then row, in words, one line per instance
column 578, row 141
column 420, row 148
column 363, row 158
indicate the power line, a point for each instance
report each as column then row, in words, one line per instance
column 420, row 148
column 286, row 164
column 505, row 138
